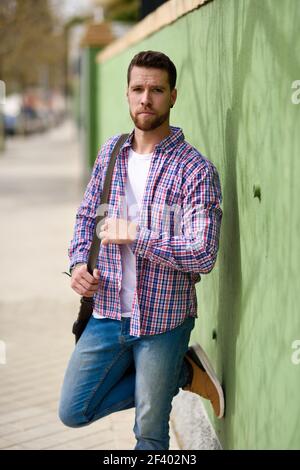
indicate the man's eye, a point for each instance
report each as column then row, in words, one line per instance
column 159, row 90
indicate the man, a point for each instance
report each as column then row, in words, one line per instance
column 134, row 351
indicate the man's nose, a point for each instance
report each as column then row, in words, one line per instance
column 145, row 99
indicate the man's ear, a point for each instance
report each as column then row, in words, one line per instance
column 173, row 97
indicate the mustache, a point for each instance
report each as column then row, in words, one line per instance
column 146, row 111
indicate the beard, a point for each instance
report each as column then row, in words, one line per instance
column 151, row 123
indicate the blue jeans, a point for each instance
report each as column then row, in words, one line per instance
column 111, row 371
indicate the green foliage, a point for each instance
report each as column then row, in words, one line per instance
column 123, row 10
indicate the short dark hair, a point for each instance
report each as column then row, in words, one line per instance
column 154, row 60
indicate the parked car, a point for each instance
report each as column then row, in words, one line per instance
column 30, row 113
column 11, row 113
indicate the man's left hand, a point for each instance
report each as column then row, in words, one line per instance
column 119, row 231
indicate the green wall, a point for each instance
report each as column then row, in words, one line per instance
column 236, row 62
column 89, row 100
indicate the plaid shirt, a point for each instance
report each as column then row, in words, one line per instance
column 177, row 240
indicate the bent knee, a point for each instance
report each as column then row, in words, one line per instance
column 71, row 418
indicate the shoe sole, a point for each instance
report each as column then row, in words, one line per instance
column 202, row 357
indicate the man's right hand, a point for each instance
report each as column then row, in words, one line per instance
column 82, row 282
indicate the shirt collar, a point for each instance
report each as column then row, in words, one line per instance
column 167, row 144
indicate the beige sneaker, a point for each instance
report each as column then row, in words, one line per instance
column 205, row 382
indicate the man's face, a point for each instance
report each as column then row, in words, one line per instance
column 149, row 97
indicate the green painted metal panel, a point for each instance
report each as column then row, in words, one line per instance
column 237, row 61
column 92, row 114
column 88, row 103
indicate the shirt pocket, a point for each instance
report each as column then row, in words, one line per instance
column 168, row 190
column 166, row 206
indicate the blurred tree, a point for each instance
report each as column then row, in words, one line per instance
column 120, row 10
column 32, row 45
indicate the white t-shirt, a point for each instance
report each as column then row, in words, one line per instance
column 137, row 172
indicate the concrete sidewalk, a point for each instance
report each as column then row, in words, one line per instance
column 39, row 195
